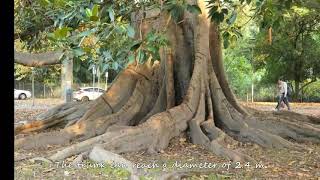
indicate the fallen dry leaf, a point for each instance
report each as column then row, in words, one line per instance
column 290, row 163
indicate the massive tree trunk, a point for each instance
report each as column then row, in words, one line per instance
column 149, row 104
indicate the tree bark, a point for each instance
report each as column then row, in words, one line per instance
column 38, row 60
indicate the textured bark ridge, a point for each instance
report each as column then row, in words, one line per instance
column 149, row 104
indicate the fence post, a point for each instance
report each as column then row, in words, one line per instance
column 44, row 91
column 66, row 77
column 252, row 92
column 32, row 87
column 106, row 86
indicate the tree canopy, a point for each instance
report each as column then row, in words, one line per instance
column 101, row 33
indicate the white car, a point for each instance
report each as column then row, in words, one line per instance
column 88, row 93
column 21, row 94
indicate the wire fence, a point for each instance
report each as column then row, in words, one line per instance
column 42, row 90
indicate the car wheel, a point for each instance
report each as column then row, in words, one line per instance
column 85, row 98
column 22, row 96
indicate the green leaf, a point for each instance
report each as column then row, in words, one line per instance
column 86, row 49
column 194, row 9
column 237, row 32
column 105, row 67
column 95, row 10
column 107, row 55
column 131, row 58
column 226, row 43
column 135, row 46
column 233, row 18
column 226, row 34
column 177, row 12
column 224, row 11
column 141, row 56
column 44, row 2
column 94, row 18
column 152, row 49
column 233, row 39
column 213, row 9
column 78, row 52
column 61, row 33
column 64, row 31
column 111, row 14
column 88, row 13
column 217, row 17
column 130, row 31
column 115, row 65
column 59, row 3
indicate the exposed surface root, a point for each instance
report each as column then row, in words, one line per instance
column 286, row 127
column 70, row 113
column 60, row 114
column 221, row 144
column 153, row 135
column 90, row 128
column 43, row 139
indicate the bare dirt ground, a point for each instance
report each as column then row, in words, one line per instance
column 181, row 155
column 312, row 109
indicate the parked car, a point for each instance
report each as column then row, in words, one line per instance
column 87, row 93
column 21, row 94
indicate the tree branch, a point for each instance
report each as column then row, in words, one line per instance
column 36, row 60
column 305, row 85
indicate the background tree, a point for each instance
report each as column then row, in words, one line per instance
column 294, row 51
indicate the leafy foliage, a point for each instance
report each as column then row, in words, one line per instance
column 99, row 33
column 294, row 53
column 176, row 8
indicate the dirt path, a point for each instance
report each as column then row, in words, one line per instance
column 303, row 108
column 181, row 155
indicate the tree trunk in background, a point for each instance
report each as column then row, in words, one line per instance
column 296, row 90
column 66, row 78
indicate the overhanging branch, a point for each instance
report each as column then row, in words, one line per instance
column 39, row 59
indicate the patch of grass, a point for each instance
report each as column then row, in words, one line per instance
column 218, row 176
column 210, row 176
column 145, row 178
column 108, row 171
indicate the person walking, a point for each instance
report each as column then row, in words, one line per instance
column 283, row 94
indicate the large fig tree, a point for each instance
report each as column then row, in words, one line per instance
column 184, row 90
